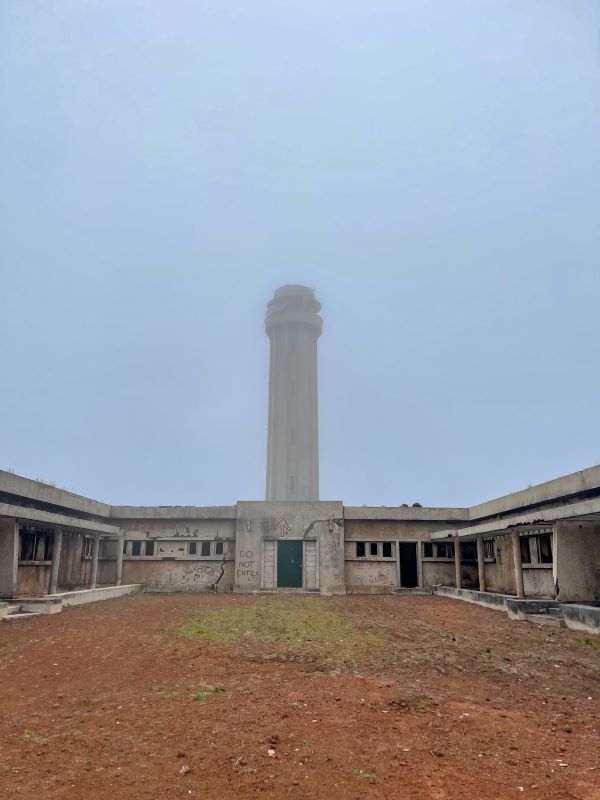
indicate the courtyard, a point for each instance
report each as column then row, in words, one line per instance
column 159, row 696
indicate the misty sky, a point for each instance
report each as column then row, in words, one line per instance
column 431, row 167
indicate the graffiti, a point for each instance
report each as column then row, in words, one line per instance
column 283, row 528
column 247, row 565
column 365, row 577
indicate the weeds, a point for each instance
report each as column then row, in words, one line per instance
column 587, row 641
column 371, row 777
column 303, row 627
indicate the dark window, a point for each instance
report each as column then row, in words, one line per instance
column 136, row 548
column 488, row 548
column 468, row 551
column 360, row 549
column 545, row 542
column 124, row 547
column 445, row 550
column 27, row 546
column 218, row 548
column 387, row 549
column 192, row 548
column 88, row 544
column 525, row 550
column 427, row 550
column 373, row 548
column 205, row 549
column 35, row 546
column 150, row 548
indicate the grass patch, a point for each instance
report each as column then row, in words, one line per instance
column 206, row 693
column 302, row 628
column 587, row 641
column 371, row 777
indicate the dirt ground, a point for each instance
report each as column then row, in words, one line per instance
column 165, row 696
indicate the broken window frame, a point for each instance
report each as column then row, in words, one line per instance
column 444, row 551
column 489, row 549
column 373, row 551
column 34, row 544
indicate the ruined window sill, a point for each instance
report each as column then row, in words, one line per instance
column 537, row 566
column 34, row 563
column 372, row 558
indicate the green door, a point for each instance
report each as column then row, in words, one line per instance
column 289, row 564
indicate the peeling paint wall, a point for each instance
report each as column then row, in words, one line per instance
column 179, row 576
column 500, row 574
column 370, row 577
column 438, row 573
column 9, row 554
column 33, row 580
column 261, row 525
column 577, row 559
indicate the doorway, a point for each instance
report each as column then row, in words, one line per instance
column 409, row 574
column 289, row 563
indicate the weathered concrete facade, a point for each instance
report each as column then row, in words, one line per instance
column 540, row 543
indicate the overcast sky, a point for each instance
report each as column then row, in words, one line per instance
column 431, row 167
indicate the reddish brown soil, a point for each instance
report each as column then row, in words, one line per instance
column 95, row 703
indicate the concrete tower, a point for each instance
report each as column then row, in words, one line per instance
column 293, row 326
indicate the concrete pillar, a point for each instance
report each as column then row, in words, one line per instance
column 95, row 551
column 481, row 564
column 9, row 557
column 120, row 542
column 516, row 545
column 293, row 326
column 56, row 550
column 457, row 563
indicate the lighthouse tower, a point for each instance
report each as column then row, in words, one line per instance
column 293, row 325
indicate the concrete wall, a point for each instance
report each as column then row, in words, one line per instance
column 577, row 561
column 171, row 569
column 9, row 554
column 538, row 581
column 179, row 576
column 372, row 576
column 390, row 530
column 33, row 580
column 500, row 574
column 261, row 523
column 437, row 573
column 75, row 572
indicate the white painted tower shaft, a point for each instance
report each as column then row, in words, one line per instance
column 293, row 326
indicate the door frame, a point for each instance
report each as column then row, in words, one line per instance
column 276, row 570
column 417, row 544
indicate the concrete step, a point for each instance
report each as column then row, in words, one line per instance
column 546, row 619
column 21, row 615
column 7, row 608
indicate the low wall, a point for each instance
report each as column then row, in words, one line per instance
column 581, row 618
column 53, row 604
column 488, row 599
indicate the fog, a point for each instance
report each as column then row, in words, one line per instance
column 430, row 167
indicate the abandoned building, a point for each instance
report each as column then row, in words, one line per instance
column 536, row 551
